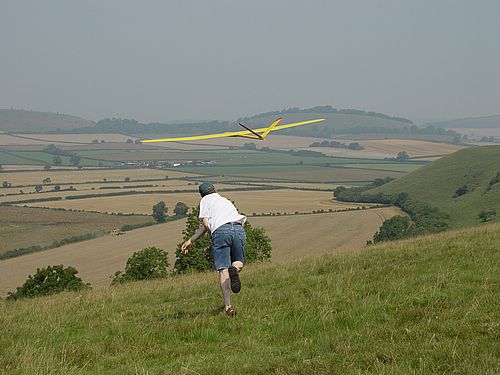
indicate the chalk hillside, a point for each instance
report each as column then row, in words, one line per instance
column 438, row 183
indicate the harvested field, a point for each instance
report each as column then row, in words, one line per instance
column 135, row 204
column 304, row 235
column 301, row 173
column 24, row 227
column 477, row 133
column 97, row 259
column 292, row 237
column 258, row 201
column 388, row 148
column 85, row 190
column 374, row 148
column 89, row 175
column 304, row 185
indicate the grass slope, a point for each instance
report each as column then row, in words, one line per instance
column 340, row 122
column 470, row 122
column 30, row 121
column 427, row 305
column 436, row 184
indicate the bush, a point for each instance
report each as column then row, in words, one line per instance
column 199, row 257
column 149, row 263
column 50, row 280
column 461, row 191
column 487, row 215
column 495, row 180
column 129, row 227
column 395, row 228
column 258, row 247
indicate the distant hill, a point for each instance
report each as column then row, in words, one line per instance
column 348, row 122
column 14, row 120
column 470, row 122
column 338, row 121
column 438, row 182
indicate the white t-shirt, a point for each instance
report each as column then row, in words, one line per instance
column 219, row 211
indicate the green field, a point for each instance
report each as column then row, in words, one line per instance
column 438, row 182
column 41, row 158
column 425, row 306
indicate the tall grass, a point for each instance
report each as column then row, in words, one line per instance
column 421, row 306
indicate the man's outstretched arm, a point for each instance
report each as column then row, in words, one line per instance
column 199, row 232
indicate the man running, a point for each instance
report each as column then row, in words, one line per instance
column 219, row 216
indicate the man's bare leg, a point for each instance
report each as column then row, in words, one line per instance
column 225, row 287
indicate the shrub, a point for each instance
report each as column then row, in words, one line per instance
column 199, row 257
column 487, row 215
column 461, row 191
column 495, row 180
column 50, row 280
column 128, row 227
column 395, row 228
column 258, row 247
column 149, row 263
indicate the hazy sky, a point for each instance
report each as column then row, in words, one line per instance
column 214, row 59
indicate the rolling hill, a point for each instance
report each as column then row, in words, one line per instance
column 429, row 305
column 470, row 122
column 438, row 182
column 13, row 120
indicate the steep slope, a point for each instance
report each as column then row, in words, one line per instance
column 437, row 184
column 429, row 305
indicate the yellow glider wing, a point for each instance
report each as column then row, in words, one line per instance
column 243, row 133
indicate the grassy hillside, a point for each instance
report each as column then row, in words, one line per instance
column 427, row 305
column 437, row 182
column 470, row 122
column 30, row 121
column 340, row 122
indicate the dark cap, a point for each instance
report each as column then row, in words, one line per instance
column 206, row 188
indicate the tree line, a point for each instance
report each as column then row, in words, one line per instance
column 425, row 219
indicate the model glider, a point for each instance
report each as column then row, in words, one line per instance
column 258, row 134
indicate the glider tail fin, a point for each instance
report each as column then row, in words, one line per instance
column 271, row 127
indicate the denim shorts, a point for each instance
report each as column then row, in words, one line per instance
column 228, row 245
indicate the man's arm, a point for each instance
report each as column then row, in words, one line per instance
column 199, row 232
